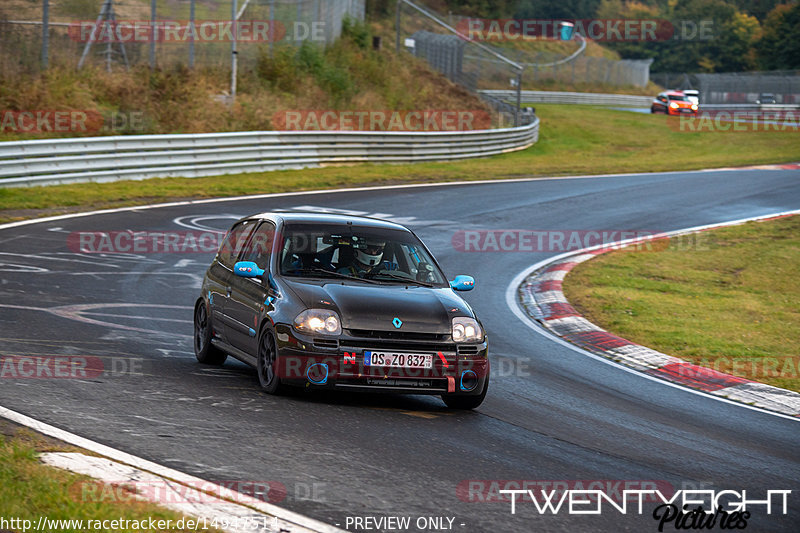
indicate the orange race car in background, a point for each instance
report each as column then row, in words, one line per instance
column 673, row 103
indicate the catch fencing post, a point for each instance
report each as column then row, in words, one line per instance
column 519, row 98
column 45, row 32
column 152, row 34
column 233, row 53
column 191, row 35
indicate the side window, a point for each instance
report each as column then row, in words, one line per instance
column 234, row 241
column 259, row 248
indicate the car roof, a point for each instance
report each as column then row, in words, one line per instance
column 691, row 91
column 674, row 93
column 329, row 218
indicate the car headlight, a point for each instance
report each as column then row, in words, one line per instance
column 673, row 105
column 466, row 329
column 319, row 321
column 694, row 107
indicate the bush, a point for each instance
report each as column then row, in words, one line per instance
column 310, row 58
column 280, row 69
column 337, row 83
column 356, row 31
column 329, row 69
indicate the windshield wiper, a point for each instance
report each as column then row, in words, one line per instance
column 401, row 278
column 333, row 273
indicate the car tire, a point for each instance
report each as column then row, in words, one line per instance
column 454, row 401
column 652, row 110
column 206, row 353
column 268, row 360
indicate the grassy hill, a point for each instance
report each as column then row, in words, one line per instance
column 348, row 75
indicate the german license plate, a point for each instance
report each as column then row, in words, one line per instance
column 398, row 359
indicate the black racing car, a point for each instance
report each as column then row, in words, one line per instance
column 340, row 302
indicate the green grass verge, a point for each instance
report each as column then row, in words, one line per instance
column 573, row 140
column 29, row 490
column 729, row 302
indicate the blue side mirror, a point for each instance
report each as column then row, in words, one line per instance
column 463, row 283
column 247, row 269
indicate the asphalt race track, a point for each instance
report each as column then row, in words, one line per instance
column 551, row 414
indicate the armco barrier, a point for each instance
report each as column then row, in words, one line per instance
column 553, row 97
column 135, row 157
column 622, row 100
column 751, row 107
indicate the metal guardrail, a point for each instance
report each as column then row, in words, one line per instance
column 136, row 157
column 553, row 97
column 751, row 107
column 623, row 100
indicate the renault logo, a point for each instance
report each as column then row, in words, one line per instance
column 397, row 322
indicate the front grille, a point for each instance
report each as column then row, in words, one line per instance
column 467, row 349
column 396, row 346
column 326, row 343
column 420, row 385
column 397, row 335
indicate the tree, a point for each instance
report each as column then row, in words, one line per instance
column 779, row 45
column 565, row 9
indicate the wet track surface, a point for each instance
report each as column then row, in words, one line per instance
column 551, row 414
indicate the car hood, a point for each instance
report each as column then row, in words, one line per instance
column 374, row 307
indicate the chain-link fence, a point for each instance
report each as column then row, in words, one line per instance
column 472, row 65
column 572, row 66
column 117, row 33
column 737, row 87
column 487, row 66
column 584, row 69
column 424, row 33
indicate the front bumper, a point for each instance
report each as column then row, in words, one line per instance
column 338, row 363
column 681, row 111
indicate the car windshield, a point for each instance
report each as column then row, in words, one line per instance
column 678, row 97
column 361, row 252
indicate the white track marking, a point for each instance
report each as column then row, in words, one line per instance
column 347, row 190
column 162, row 471
column 274, row 510
column 79, row 312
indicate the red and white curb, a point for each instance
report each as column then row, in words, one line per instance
column 784, row 166
column 126, row 483
column 189, row 495
column 538, row 293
